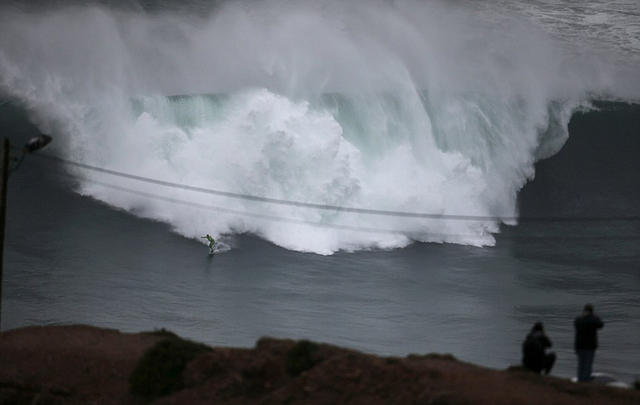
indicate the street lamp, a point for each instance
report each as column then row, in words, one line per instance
column 36, row 143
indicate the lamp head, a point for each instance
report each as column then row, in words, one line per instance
column 37, row 142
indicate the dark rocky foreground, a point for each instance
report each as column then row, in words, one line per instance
column 87, row 365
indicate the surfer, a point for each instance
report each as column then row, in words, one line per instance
column 212, row 242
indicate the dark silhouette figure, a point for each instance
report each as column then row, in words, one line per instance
column 586, row 342
column 534, row 356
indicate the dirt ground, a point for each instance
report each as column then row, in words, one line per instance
column 86, row 365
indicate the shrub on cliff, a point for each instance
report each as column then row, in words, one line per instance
column 300, row 357
column 159, row 370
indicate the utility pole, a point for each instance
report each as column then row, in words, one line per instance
column 4, row 177
column 36, row 143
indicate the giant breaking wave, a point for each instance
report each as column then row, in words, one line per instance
column 401, row 106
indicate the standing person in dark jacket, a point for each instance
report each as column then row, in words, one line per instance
column 586, row 343
column 533, row 350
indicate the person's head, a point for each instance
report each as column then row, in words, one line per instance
column 588, row 308
column 538, row 326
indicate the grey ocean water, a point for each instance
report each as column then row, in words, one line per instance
column 78, row 253
column 70, row 259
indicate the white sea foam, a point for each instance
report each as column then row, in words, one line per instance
column 405, row 106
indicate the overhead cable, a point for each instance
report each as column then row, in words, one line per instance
column 334, row 207
column 412, row 234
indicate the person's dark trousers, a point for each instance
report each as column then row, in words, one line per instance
column 585, row 362
column 539, row 365
column 549, row 360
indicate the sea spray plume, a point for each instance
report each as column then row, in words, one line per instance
column 287, row 44
column 405, row 105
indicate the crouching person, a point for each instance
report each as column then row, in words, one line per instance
column 534, row 355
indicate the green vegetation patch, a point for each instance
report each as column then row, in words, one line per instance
column 636, row 384
column 300, row 358
column 159, row 370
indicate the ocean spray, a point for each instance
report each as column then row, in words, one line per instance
column 410, row 106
